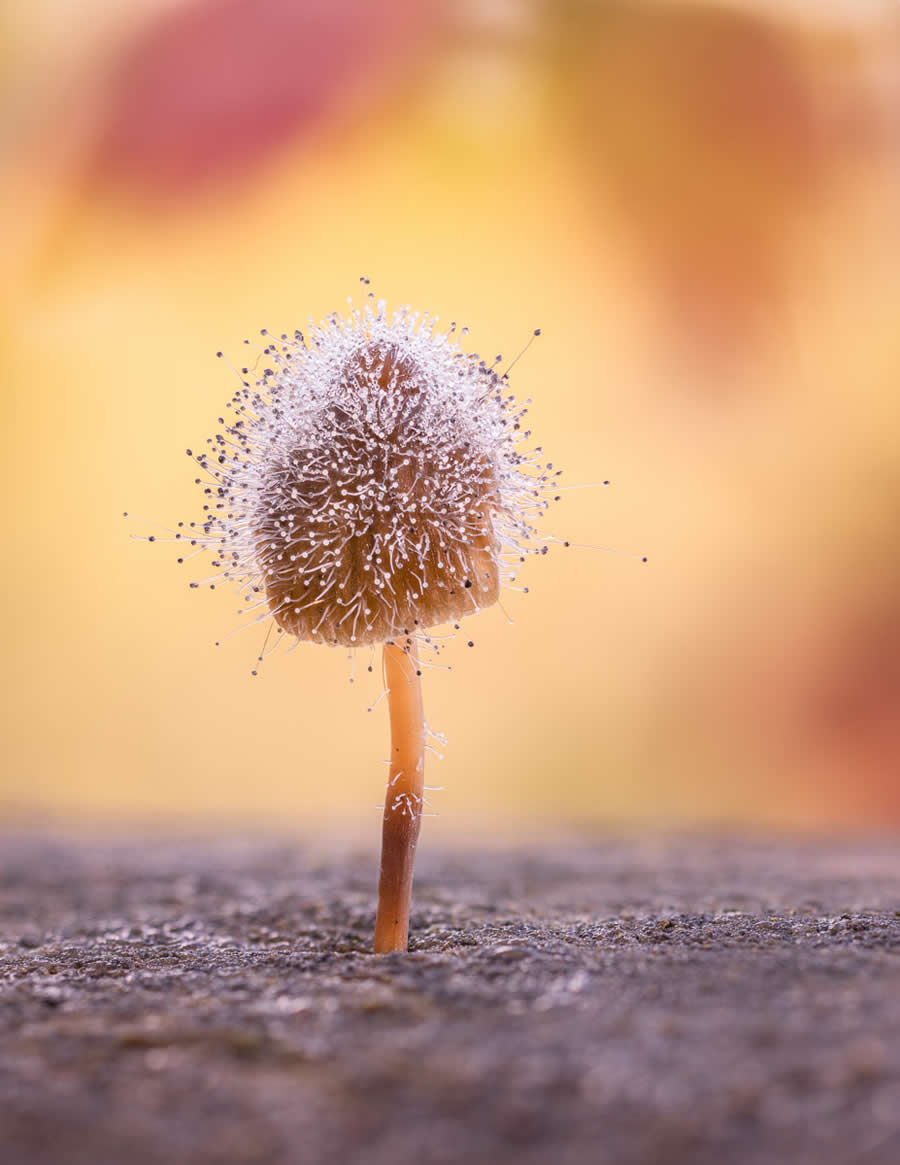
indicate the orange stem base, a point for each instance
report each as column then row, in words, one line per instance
column 403, row 799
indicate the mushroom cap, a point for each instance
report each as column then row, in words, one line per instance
column 373, row 482
column 392, row 530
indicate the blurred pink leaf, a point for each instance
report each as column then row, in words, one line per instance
column 214, row 87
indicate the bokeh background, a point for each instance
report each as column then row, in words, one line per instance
column 698, row 205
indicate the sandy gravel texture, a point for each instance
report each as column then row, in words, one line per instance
column 668, row 1000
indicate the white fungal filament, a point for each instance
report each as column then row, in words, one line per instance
column 372, row 481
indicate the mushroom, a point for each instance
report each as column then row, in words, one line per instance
column 375, row 481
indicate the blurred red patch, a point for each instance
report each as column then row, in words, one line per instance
column 715, row 133
column 213, row 88
column 852, row 707
column 815, row 697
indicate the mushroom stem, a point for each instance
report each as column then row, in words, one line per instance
column 403, row 799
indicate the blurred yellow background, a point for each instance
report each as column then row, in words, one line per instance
column 696, row 203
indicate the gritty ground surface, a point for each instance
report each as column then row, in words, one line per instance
column 667, row 1001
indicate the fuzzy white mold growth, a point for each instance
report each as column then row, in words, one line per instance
column 374, row 481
